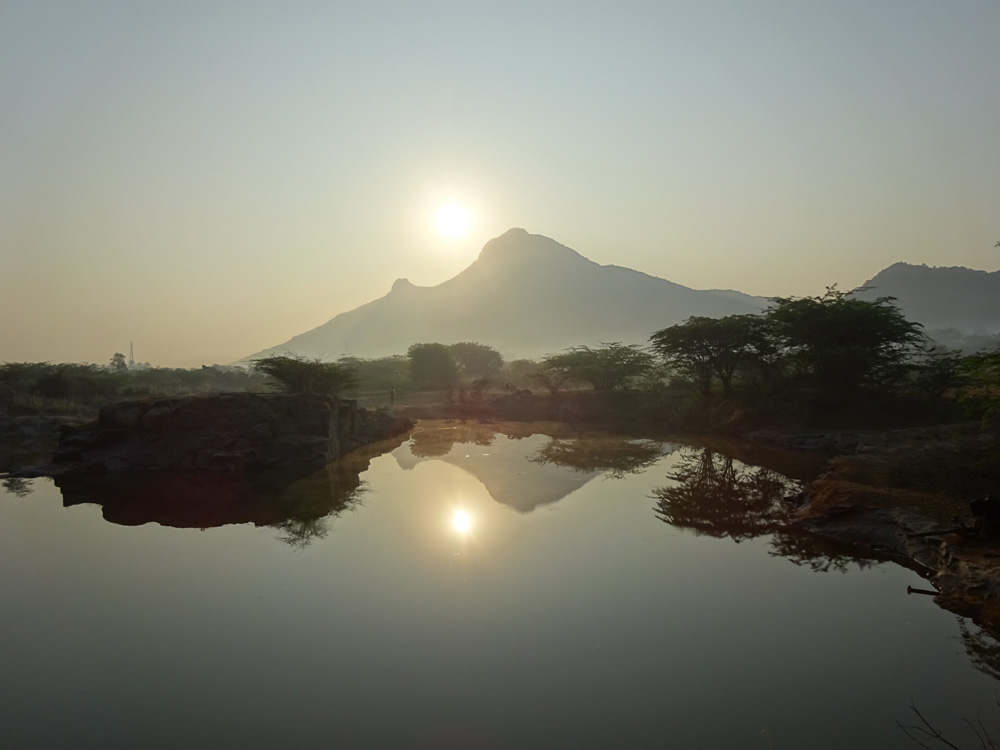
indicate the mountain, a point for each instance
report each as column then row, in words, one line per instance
column 941, row 297
column 526, row 295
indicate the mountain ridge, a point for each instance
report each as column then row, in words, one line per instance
column 525, row 294
column 940, row 297
column 529, row 295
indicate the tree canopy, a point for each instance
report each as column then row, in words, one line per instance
column 842, row 342
column 609, row 366
column 707, row 348
column 476, row 360
column 432, row 365
column 297, row 374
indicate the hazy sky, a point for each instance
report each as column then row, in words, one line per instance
column 207, row 179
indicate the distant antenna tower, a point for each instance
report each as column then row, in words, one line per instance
column 131, row 356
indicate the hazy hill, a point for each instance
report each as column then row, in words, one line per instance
column 942, row 297
column 526, row 295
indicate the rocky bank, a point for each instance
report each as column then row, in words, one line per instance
column 233, row 432
column 904, row 493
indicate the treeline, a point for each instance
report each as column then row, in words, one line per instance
column 834, row 344
column 33, row 386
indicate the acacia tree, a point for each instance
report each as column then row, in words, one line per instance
column 520, row 372
column 476, row 360
column 381, row 373
column 432, row 365
column 688, row 348
column 552, row 375
column 296, row 374
column 609, row 366
column 844, row 343
column 707, row 348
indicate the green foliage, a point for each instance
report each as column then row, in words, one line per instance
column 552, row 374
column 297, row 374
column 118, row 363
column 844, row 343
column 934, row 374
column 379, row 374
column 432, row 366
column 705, row 349
column 610, row 366
column 520, row 372
column 980, row 395
column 476, row 360
column 43, row 387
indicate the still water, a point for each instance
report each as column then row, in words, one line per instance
column 475, row 587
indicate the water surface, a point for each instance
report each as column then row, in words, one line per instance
column 471, row 589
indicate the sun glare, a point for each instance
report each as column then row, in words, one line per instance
column 453, row 221
column 461, row 522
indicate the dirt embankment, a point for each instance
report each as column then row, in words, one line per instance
column 905, row 492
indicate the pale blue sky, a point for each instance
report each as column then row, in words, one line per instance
column 209, row 179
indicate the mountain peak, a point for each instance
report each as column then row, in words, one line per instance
column 520, row 245
column 401, row 284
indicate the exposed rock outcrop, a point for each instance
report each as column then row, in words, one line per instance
column 233, row 432
column 965, row 573
column 906, row 493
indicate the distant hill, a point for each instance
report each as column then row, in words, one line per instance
column 941, row 297
column 526, row 295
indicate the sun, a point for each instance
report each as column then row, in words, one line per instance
column 461, row 522
column 453, row 221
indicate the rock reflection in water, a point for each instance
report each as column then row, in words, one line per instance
column 715, row 495
column 299, row 507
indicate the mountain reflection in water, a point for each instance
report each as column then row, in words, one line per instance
column 528, row 465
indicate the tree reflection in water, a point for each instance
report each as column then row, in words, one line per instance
column 17, row 486
column 821, row 555
column 718, row 496
column 438, row 441
column 613, row 455
column 982, row 648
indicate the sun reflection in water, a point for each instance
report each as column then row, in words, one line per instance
column 461, row 522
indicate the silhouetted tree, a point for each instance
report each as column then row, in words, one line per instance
column 520, row 372
column 118, row 362
column 842, row 342
column 552, row 376
column 703, row 349
column 432, row 365
column 476, row 360
column 609, row 366
column 381, row 373
column 297, row 374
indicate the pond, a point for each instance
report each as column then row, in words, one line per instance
column 477, row 586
